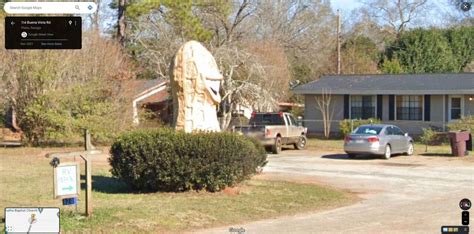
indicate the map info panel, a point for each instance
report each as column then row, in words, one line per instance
column 32, row 220
column 43, row 32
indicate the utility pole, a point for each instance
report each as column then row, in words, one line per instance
column 338, row 42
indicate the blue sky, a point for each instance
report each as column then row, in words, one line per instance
column 345, row 5
column 435, row 16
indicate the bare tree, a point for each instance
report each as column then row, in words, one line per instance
column 323, row 104
column 247, row 82
column 396, row 15
column 255, row 72
column 305, row 29
column 121, row 23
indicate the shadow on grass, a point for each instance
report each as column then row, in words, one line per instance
column 437, row 155
column 107, row 184
column 346, row 157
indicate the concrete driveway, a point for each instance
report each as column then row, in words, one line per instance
column 416, row 194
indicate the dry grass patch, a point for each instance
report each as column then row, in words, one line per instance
column 28, row 177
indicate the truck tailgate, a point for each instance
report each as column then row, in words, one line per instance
column 251, row 131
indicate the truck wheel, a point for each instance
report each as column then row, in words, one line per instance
column 276, row 148
column 301, row 143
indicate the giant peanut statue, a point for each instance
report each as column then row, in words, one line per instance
column 195, row 81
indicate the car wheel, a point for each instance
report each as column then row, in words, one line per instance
column 352, row 156
column 276, row 149
column 301, row 143
column 388, row 152
column 410, row 149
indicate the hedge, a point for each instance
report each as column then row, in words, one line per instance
column 168, row 160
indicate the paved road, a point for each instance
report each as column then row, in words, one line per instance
column 402, row 195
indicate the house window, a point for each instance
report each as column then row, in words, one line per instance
column 362, row 107
column 455, row 108
column 410, row 107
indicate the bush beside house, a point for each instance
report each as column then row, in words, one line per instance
column 168, row 160
column 466, row 123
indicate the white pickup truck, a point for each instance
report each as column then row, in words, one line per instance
column 274, row 130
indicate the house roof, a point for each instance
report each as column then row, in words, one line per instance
column 160, row 96
column 145, row 86
column 448, row 83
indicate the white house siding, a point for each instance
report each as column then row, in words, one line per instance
column 437, row 108
column 313, row 117
column 468, row 105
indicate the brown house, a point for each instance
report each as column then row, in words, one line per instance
column 152, row 95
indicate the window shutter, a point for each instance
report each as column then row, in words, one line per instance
column 346, row 106
column 427, row 107
column 391, row 107
column 379, row 106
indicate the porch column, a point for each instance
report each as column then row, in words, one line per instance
column 444, row 113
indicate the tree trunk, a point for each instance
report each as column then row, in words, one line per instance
column 121, row 24
column 96, row 20
column 226, row 113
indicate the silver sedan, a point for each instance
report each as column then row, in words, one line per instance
column 378, row 139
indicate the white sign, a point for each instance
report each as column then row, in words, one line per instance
column 32, row 220
column 66, row 180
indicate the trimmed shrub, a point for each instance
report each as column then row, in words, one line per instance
column 465, row 123
column 428, row 136
column 345, row 125
column 168, row 160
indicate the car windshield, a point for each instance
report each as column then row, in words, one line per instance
column 267, row 119
column 370, row 130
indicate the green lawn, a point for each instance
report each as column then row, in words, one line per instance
column 324, row 144
column 27, row 181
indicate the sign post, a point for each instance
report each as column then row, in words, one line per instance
column 88, row 185
column 65, row 184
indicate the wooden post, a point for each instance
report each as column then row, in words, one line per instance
column 88, row 186
column 86, row 156
column 87, row 141
column 88, row 147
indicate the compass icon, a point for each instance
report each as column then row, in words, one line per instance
column 466, row 6
column 465, row 204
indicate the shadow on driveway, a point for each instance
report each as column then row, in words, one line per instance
column 436, row 155
column 346, row 157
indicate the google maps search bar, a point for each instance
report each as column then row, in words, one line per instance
column 50, row 7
